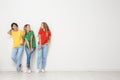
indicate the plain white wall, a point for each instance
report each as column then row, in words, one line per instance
column 85, row 33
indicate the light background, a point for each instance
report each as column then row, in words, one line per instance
column 85, row 33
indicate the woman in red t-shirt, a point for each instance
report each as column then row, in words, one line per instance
column 44, row 40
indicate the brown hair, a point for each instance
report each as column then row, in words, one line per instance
column 46, row 27
column 14, row 24
column 25, row 26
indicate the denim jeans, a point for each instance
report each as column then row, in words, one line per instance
column 29, row 53
column 17, row 55
column 42, row 56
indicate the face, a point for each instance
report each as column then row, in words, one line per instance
column 14, row 27
column 42, row 26
column 28, row 28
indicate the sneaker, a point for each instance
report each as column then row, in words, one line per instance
column 29, row 71
column 38, row 70
column 26, row 70
column 20, row 68
column 43, row 70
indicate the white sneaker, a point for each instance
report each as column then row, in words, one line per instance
column 43, row 70
column 38, row 70
column 26, row 70
column 29, row 71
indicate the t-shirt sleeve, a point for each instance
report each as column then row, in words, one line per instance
column 32, row 33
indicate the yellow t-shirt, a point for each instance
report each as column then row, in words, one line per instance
column 17, row 38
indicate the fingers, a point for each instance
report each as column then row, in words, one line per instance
column 39, row 48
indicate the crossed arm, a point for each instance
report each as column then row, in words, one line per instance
column 29, row 44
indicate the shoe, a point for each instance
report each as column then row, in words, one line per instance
column 38, row 70
column 20, row 68
column 43, row 70
column 29, row 71
column 26, row 70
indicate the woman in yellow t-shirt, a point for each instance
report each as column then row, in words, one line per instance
column 18, row 42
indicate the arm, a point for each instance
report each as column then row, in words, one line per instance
column 49, row 39
column 23, row 41
column 9, row 32
column 23, row 38
column 31, row 39
column 27, row 43
column 40, row 41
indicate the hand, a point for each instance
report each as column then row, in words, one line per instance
column 10, row 30
column 40, row 47
column 47, row 43
column 22, row 44
column 31, row 49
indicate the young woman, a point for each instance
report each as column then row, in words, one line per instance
column 18, row 42
column 30, row 45
column 44, row 40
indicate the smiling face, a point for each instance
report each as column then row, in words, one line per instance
column 14, row 26
column 42, row 26
column 28, row 28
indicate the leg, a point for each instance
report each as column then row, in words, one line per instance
column 19, row 56
column 27, row 52
column 39, row 58
column 44, row 56
column 14, row 54
column 29, row 57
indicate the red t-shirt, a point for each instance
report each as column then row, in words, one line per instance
column 44, row 37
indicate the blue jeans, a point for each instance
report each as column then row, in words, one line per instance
column 29, row 53
column 17, row 55
column 42, row 56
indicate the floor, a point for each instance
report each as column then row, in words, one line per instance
column 61, row 76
